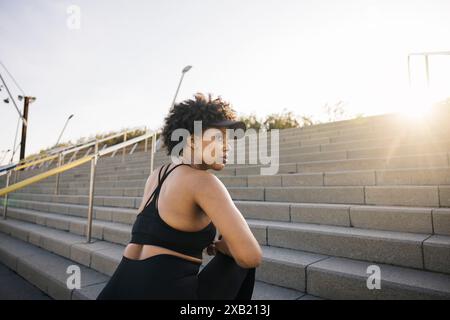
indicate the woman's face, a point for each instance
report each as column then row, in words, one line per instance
column 211, row 151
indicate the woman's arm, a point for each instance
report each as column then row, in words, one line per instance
column 212, row 196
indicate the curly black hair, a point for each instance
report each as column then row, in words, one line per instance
column 203, row 108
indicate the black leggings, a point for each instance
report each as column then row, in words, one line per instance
column 169, row 277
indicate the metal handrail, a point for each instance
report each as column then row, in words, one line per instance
column 67, row 150
column 32, row 163
column 93, row 142
column 33, row 179
column 62, row 168
column 60, row 154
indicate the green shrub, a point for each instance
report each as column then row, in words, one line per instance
column 282, row 120
column 252, row 122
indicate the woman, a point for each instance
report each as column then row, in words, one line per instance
column 183, row 209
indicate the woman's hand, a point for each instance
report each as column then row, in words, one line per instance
column 211, row 249
column 218, row 245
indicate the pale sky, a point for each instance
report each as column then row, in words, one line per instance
column 122, row 66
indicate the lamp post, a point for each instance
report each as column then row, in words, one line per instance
column 12, row 99
column 27, row 101
column 70, row 117
column 24, row 117
column 185, row 69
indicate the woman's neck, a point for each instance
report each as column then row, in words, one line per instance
column 190, row 162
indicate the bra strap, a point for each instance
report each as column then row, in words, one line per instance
column 166, row 174
column 155, row 192
column 150, row 199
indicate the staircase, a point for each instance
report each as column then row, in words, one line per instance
column 348, row 195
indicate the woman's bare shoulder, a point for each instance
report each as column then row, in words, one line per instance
column 205, row 184
column 152, row 178
column 201, row 177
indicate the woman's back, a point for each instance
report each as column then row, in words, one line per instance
column 176, row 231
column 176, row 203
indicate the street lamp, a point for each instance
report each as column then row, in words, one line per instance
column 185, row 69
column 70, row 117
column 13, row 101
column 27, row 101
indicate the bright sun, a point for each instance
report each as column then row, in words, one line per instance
column 418, row 105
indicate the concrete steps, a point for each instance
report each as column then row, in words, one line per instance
column 348, row 195
column 299, row 268
column 398, row 195
column 33, row 252
column 350, row 150
column 47, row 271
column 416, row 250
column 422, row 161
column 389, row 218
column 416, row 176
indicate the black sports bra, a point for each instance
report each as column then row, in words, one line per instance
column 150, row 228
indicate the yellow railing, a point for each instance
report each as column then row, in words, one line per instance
column 62, row 168
column 60, row 154
column 43, row 175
